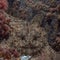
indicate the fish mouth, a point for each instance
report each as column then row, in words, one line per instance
column 31, row 50
column 29, row 47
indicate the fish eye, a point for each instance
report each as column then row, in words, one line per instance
column 35, row 37
column 22, row 37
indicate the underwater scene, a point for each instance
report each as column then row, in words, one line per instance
column 29, row 29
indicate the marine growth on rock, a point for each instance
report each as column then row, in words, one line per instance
column 4, row 21
column 8, row 53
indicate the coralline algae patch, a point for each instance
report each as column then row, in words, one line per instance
column 8, row 53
